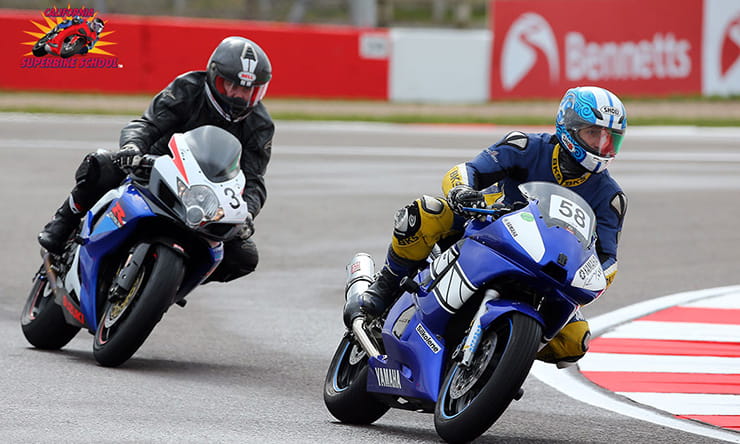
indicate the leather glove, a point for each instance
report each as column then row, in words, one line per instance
column 128, row 157
column 463, row 196
column 247, row 229
column 130, row 160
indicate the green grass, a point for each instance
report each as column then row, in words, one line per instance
column 377, row 111
column 403, row 118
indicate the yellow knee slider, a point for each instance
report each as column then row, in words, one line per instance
column 419, row 226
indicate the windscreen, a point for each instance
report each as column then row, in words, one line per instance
column 563, row 208
column 216, row 150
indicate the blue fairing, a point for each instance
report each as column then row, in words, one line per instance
column 491, row 255
column 118, row 220
column 423, row 354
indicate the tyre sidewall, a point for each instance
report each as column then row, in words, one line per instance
column 165, row 270
column 48, row 329
column 351, row 404
column 504, row 381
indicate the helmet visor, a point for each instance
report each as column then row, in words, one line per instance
column 96, row 26
column 249, row 94
column 601, row 141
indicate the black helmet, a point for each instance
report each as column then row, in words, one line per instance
column 237, row 74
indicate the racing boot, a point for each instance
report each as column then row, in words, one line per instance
column 381, row 293
column 55, row 233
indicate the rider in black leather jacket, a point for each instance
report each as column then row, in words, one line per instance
column 228, row 95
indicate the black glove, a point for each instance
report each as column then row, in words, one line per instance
column 247, row 229
column 130, row 160
column 463, row 196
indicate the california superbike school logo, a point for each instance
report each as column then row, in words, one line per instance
column 69, row 38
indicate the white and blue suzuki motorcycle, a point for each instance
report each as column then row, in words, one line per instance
column 143, row 247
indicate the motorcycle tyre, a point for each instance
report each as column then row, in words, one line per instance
column 76, row 47
column 46, row 329
column 350, row 403
column 496, row 386
column 164, row 272
column 39, row 49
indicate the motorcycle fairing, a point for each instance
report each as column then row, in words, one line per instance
column 105, row 227
column 414, row 338
column 421, row 355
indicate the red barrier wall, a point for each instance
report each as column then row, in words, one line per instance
column 307, row 61
column 632, row 47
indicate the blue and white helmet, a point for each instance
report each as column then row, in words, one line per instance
column 590, row 124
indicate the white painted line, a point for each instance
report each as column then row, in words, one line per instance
column 573, row 384
column 373, row 151
column 623, row 362
column 651, row 132
column 731, row 300
column 680, row 331
column 689, row 403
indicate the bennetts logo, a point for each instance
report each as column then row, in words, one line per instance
column 69, row 38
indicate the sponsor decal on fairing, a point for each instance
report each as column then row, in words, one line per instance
column 388, row 377
column 590, row 276
column 428, row 339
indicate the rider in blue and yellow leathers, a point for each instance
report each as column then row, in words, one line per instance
column 590, row 126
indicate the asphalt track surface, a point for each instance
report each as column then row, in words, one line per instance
column 245, row 361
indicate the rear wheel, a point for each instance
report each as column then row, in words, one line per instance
column 39, row 49
column 42, row 320
column 128, row 321
column 345, row 387
column 472, row 398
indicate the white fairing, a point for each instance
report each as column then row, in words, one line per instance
column 523, row 229
column 72, row 279
column 590, row 276
column 229, row 193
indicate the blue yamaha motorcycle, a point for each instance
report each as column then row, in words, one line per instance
column 142, row 247
column 462, row 337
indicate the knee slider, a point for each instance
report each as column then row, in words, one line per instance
column 407, row 221
column 98, row 170
column 89, row 170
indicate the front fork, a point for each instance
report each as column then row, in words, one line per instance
column 476, row 332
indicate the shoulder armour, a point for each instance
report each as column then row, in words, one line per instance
column 517, row 139
column 619, row 205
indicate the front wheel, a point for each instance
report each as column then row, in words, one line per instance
column 72, row 47
column 472, row 398
column 128, row 321
column 42, row 319
column 345, row 387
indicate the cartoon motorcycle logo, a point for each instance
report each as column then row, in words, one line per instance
column 72, row 36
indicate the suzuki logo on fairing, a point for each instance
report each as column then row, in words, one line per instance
column 528, row 35
column 730, row 55
column 71, row 309
column 388, row 377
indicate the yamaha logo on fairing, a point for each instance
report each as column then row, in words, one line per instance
column 588, row 267
column 428, row 340
column 388, row 377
